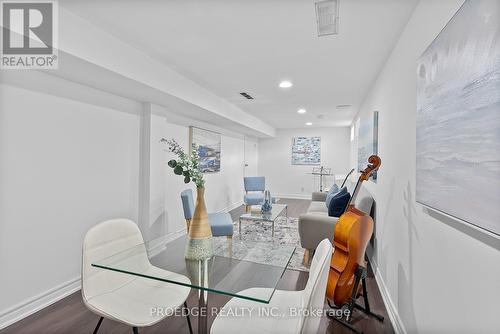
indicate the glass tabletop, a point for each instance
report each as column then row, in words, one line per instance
column 236, row 266
column 276, row 211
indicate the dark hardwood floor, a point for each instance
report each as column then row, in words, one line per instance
column 70, row 315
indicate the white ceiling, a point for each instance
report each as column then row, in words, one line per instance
column 235, row 46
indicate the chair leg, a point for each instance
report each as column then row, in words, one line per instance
column 98, row 325
column 247, row 208
column 307, row 255
column 136, row 331
column 188, row 318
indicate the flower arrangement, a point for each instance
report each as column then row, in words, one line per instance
column 187, row 165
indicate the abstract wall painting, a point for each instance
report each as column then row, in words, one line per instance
column 368, row 141
column 209, row 143
column 458, row 117
column 306, row 150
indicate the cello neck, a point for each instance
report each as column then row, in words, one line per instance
column 373, row 164
column 354, row 193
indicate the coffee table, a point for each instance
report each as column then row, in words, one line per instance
column 271, row 217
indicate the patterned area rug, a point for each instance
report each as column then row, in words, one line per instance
column 286, row 232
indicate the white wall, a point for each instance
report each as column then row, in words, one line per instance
column 64, row 166
column 251, row 156
column 154, row 208
column 283, row 178
column 440, row 275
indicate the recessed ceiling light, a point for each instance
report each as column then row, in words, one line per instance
column 286, row 84
column 301, row 111
column 309, row 123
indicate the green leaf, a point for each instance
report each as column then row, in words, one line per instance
column 178, row 170
column 172, row 163
column 187, row 179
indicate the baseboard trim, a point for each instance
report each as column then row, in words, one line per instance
column 158, row 245
column 293, row 196
column 394, row 317
column 39, row 302
column 231, row 206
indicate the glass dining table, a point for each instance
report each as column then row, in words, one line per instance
column 235, row 267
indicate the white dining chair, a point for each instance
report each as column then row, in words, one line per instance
column 287, row 312
column 121, row 297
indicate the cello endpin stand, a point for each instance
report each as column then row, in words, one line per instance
column 351, row 304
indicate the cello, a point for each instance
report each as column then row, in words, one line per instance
column 352, row 233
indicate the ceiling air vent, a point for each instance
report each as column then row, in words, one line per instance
column 343, row 106
column 327, row 17
column 246, row 96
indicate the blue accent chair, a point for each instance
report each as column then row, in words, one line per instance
column 254, row 190
column 220, row 222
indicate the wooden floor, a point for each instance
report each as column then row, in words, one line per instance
column 69, row 315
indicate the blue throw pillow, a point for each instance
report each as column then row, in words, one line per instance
column 333, row 190
column 330, row 196
column 338, row 205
